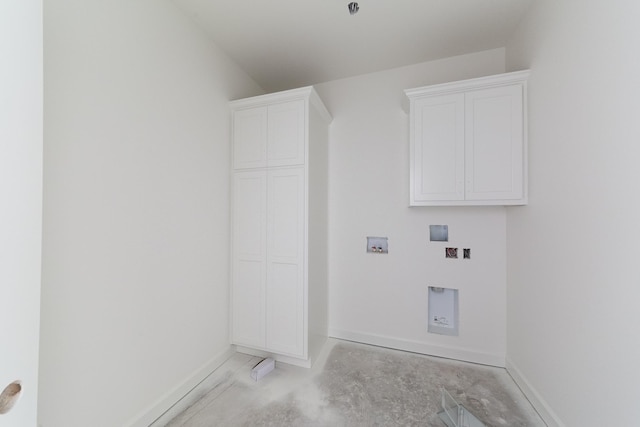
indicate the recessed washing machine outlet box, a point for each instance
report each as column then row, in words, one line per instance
column 379, row 245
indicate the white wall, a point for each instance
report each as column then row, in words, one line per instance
column 135, row 264
column 382, row 299
column 573, row 277
column 20, row 202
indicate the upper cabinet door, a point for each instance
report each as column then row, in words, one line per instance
column 494, row 144
column 437, row 158
column 269, row 136
column 250, row 138
column 286, row 130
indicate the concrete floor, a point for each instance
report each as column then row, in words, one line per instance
column 357, row 385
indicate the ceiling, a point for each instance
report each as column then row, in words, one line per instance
column 283, row 44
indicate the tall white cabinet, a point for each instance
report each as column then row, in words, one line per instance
column 468, row 142
column 279, row 225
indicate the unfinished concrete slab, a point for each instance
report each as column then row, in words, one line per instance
column 358, row 385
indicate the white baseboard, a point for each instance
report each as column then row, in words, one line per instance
column 541, row 406
column 182, row 396
column 420, row 347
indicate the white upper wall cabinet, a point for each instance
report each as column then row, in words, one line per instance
column 468, row 142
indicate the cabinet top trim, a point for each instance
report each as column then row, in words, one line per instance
column 307, row 93
column 462, row 85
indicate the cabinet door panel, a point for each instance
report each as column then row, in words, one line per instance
column 250, row 138
column 249, row 214
column 249, row 258
column 286, row 213
column 248, row 303
column 285, row 318
column 286, row 134
column 494, row 141
column 438, row 161
column 285, row 261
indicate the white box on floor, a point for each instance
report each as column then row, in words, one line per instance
column 263, row 368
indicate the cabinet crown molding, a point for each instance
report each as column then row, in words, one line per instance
column 462, row 85
column 307, row 93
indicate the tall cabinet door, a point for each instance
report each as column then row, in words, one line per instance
column 437, row 168
column 286, row 133
column 249, row 258
column 285, row 261
column 494, row 144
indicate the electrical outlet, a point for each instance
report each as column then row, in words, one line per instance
column 451, row 253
